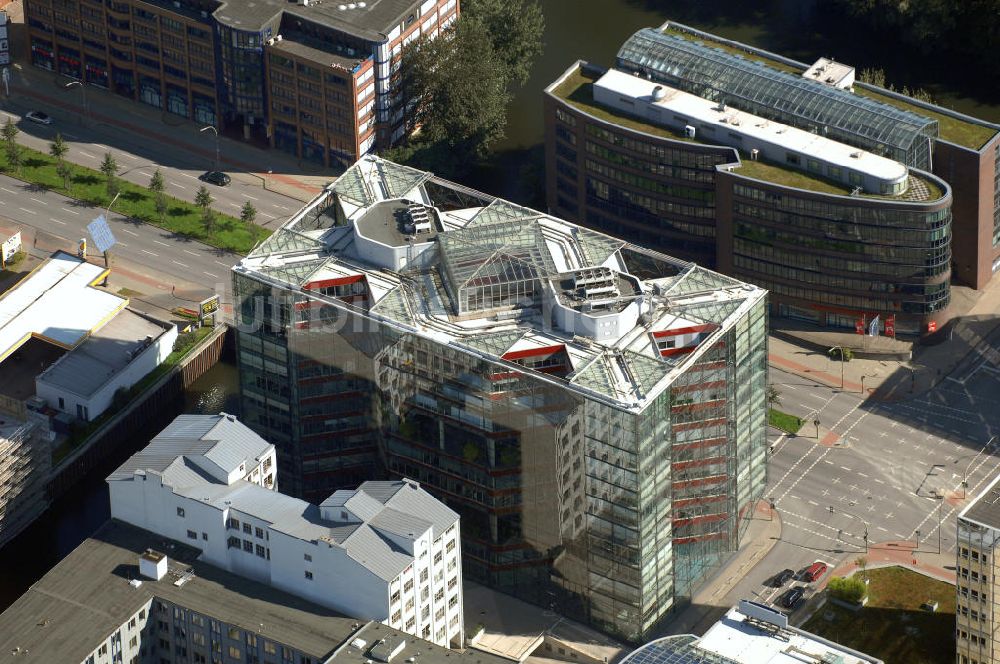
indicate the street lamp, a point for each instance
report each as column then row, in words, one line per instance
column 216, row 132
column 863, row 522
column 841, row 349
column 965, row 477
column 83, row 90
column 107, row 255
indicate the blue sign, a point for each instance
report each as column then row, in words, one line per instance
column 101, row 233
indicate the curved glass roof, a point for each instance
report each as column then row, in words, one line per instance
column 711, row 73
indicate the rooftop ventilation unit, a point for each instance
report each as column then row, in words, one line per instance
column 659, row 93
column 153, row 564
column 754, row 154
column 689, row 131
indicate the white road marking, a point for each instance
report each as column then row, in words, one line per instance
column 188, row 251
column 70, row 211
column 121, row 244
column 87, row 154
column 57, row 221
column 181, row 264
column 814, row 503
column 845, row 468
column 254, row 198
column 128, row 156
column 27, row 210
column 214, row 276
column 827, row 461
column 64, row 239
column 145, row 251
column 223, row 264
column 161, row 243
column 38, row 200
column 187, row 175
column 130, row 232
column 9, row 191
column 174, row 184
column 862, row 475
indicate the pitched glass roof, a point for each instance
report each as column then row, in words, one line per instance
column 352, row 186
column 293, row 273
column 698, row 279
column 709, row 312
column 751, row 86
column 393, row 305
column 495, row 253
column 285, row 240
column 500, row 210
column 496, row 343
column 596, row 247
column 597, row 376
column 646, row 371
column 400, row 180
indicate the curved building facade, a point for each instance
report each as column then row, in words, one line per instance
column 829, row 252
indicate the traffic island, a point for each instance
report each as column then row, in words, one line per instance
column 894, row 625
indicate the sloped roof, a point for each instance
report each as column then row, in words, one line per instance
column 408, row 497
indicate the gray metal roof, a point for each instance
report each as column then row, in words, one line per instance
column 104, row 354
column 408, row 497
column 378, row 554
column 399, row 523
column 223, row 441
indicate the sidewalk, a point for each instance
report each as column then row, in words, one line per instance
column 710, row 602
column 940, row 566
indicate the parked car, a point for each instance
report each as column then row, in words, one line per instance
column 814, row 571
column 216, row 177
column 39, row 117
column 790, row 597
column 782, row 577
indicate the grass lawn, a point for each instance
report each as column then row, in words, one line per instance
column 135, row 201
column 893, row 627
column 784, row 421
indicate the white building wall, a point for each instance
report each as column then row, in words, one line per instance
column 100, row 400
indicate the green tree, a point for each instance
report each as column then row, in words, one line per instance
column 64, row 171
column 9, row 131
column 109, row 169
column 15, row 156
column 515, row 29
column 248, row 213
column 850, row 589
column 58, row 148
column 156, row 186
column 460, row 89
column 203, row 199
column 773, row 396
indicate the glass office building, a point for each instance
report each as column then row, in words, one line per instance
column 593, row 410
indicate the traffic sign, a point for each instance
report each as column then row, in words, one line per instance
column 101, row 233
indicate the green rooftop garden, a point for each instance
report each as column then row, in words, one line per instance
column 578, row 90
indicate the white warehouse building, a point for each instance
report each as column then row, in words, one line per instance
column 386, row 551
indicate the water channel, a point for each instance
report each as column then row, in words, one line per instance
column 582, row 29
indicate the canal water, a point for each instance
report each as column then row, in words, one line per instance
column 583, row 29
column 83, row 509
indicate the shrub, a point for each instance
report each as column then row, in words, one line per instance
column 838, row 353
column 850, row 589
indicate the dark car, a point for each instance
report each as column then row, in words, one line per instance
column 790, row 597
column 216, row 177
column 782, row 577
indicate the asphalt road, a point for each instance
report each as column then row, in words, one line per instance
column 882, row 476
column 88, row 142
column 150, row 251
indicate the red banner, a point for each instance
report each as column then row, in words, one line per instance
column 859, row 326
column 890, row 326
column 932, row 326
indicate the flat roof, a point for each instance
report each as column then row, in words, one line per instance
column 728, row 119
column 367, row 19
column 57, row 302
column 313, row 50
column 985, row 508
column 386, row 223
column 104, row 354
column 500, row 245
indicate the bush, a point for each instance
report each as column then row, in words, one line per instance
column 838, row 353
column 851, row 589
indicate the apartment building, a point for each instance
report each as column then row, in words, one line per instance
column 844, row 200
column 386, row 551
column 130, row 596
column 316, row 78
column 25, row 462
column 593, row 410
column 977, row 599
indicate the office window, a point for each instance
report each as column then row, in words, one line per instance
column 308, row 557
column 180, row 511
column 192, row 535
column 309, row 575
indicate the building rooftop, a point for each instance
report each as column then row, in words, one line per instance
column 367, row 19
column 218, row 442
column 313, row 50
column 729, row 125
column 577, row 88
column 985, row 508
column 56, row 303
column 740, row 639
column 483, row 281
column 952, row 126
column 104, row 353
column 66, row 614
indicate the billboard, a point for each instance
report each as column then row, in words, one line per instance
column 208, row 306
column 10, row 246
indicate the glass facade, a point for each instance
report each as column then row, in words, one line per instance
column 570, row 499
column 696, row 67
column 869, row 257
